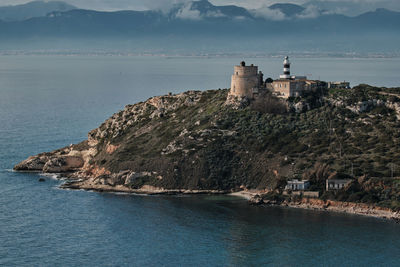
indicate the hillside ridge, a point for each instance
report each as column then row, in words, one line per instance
column 197, row 142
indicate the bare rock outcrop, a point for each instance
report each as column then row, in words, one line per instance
column 237, row 102
column 63, row 164
column 68, row 159
column 155, row 107
column 34, row 163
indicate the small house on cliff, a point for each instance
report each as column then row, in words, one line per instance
column 296, row 185
column 336, row 184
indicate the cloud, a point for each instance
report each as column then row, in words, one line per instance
column 164, row 5
column 352, row 7
column 267, row 13
column 186, row 12
column 310, row 12
column 214, row 14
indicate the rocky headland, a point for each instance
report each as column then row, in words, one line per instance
column 204, row 142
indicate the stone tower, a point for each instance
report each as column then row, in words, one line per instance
column 246, row 80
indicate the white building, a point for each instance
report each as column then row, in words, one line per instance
column 288, row 85
column 296, row 185
column 336, row 184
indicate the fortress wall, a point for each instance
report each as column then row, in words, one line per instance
column 242, row 86
column 246, row 71
column 244, row 79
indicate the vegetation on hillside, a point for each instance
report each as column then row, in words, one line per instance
column 206, row 144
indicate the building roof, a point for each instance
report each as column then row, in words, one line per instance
column 311, row 81
column 338, row 181
column 297, row 181
column 286, row 80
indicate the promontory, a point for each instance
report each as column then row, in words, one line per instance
column 325, row 147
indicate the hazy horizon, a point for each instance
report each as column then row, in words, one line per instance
column 201, row 29
column 350, row 7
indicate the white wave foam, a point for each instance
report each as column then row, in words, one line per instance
column 54, row 176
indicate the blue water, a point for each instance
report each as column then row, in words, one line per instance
column 47, row 102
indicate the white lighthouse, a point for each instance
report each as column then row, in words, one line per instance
column 286, row 69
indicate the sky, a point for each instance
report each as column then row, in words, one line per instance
column 355, row 6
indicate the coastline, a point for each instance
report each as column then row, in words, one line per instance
column 152, row 138
column 252, row 196
column 325, row 205
column 145, row 190
column 345, row 207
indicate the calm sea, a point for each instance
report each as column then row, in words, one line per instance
column 47, row 102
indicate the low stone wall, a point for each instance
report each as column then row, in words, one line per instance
column 306, row 194
column 312, row 194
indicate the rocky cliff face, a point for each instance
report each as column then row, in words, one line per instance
column 199, row 141
column 169, row 142
column 68, row 159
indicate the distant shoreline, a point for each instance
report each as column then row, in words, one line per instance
column 278, row 54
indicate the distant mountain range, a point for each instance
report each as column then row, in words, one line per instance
column 200, row 22
column 32, row 9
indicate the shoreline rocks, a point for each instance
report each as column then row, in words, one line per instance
column 255, row 198
column 144, row 190
column 347, row 207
